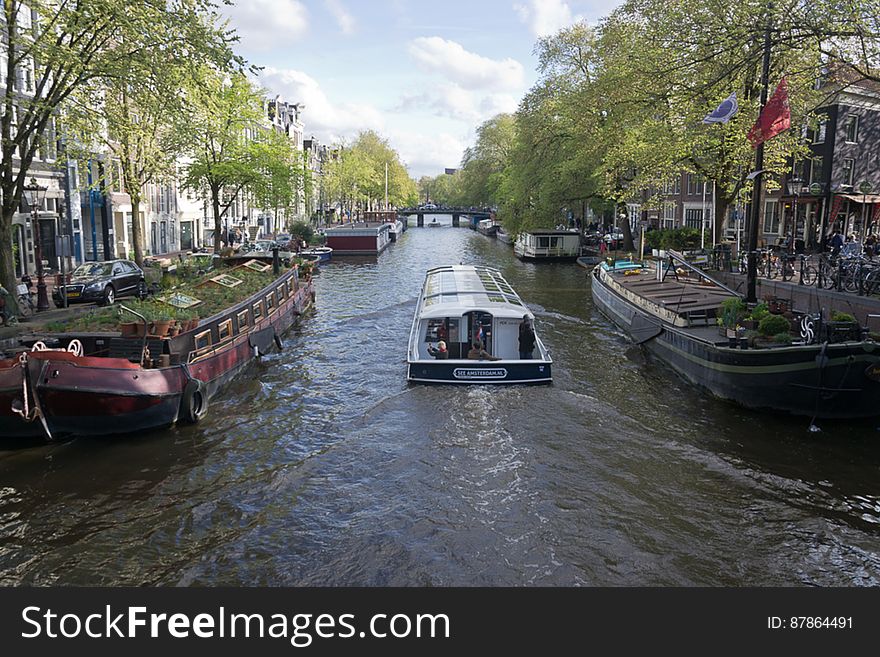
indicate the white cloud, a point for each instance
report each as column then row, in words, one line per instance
column 331, row 121
column 546, row 17
column 266, row 24
column 427, row 154
column 466, row 69
column 343, row 18
column 448, row 100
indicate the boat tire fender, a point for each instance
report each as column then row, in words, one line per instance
column 194, row 402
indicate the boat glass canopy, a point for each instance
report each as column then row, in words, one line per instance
column 459, row 288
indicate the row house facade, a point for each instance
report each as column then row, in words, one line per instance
column 51, row 169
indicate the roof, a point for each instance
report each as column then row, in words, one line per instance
column 454, row 290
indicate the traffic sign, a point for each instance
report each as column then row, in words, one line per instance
column 815, row 189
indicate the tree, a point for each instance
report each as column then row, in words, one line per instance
column 65, row 47
column 225, row 110
column 281, row 173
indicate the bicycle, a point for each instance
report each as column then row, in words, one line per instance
column 25, row 294
column 809, row 273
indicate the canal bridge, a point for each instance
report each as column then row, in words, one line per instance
column 471, row 216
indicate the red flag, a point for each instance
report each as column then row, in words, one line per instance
column 774, row 118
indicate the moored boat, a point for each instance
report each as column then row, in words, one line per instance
column 487, row 227
column 461, row 305
column 102, row 383
column 323, row 253
column 675, row 319
column 548, row 245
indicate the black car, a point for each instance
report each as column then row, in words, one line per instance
column 103, row 282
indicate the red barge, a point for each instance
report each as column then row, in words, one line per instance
column 93, row 384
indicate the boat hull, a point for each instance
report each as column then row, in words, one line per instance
column 808, row 380
column 470, row 372
column 96, row 396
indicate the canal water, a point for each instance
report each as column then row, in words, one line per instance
column 322, row 466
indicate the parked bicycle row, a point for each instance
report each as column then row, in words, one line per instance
column 855, row 273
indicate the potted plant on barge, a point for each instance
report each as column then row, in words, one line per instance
column 733, row 310
column 842, row 327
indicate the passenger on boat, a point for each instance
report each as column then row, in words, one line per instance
column 440, row 352
column 526, row 339
column 478, row 353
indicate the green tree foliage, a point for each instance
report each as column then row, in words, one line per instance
column 224, row 111
column 617, row 110
column 355, row 176
column 68, row 46
column 280, row 178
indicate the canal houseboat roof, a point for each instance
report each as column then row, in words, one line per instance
column 457, row 289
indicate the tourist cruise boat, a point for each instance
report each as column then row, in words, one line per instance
column 464, row 304
column 548, row 245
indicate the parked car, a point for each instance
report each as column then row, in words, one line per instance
column 103, row 283
column 283, row 241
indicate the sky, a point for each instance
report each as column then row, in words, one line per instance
column 424, row 74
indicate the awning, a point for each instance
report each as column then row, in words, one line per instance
column 862, row 198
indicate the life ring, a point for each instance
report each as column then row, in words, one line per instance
column 193, row 402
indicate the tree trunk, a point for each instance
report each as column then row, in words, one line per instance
column 218, row 225
column 137, row 235
column 7, row 259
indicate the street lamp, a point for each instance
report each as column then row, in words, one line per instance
column 865, row 187
column 35, row 194
column 794, row 189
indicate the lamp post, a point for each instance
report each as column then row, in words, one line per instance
column 794, row 189
column 865, row 187
column 35, row 194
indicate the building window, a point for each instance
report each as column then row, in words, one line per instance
column 242, row 320
column 693, row 218
column 852, row 129
column 771, row 217
column 816, row 170
column 669, row 215
column 820, row 133
column 695, row 184
column 847, row 171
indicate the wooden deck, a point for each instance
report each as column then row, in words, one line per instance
column 691, row 300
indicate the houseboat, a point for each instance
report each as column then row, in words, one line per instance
column 398, row 226
column 461, row 305
column 487, row 227
column 673, row 309
column 102, row 383
column 548, row 245
column 359, row 238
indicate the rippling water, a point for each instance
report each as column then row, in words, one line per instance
column 323, row 466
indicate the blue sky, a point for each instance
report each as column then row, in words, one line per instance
column 423, row 74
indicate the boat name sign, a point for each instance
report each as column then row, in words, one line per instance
column 477, row 373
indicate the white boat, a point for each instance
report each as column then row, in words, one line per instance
column 433, row 223
column 464, row 304
column 487, row 227
column 548, row 245
column 324, row 253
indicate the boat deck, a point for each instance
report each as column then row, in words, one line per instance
column 692, row 300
